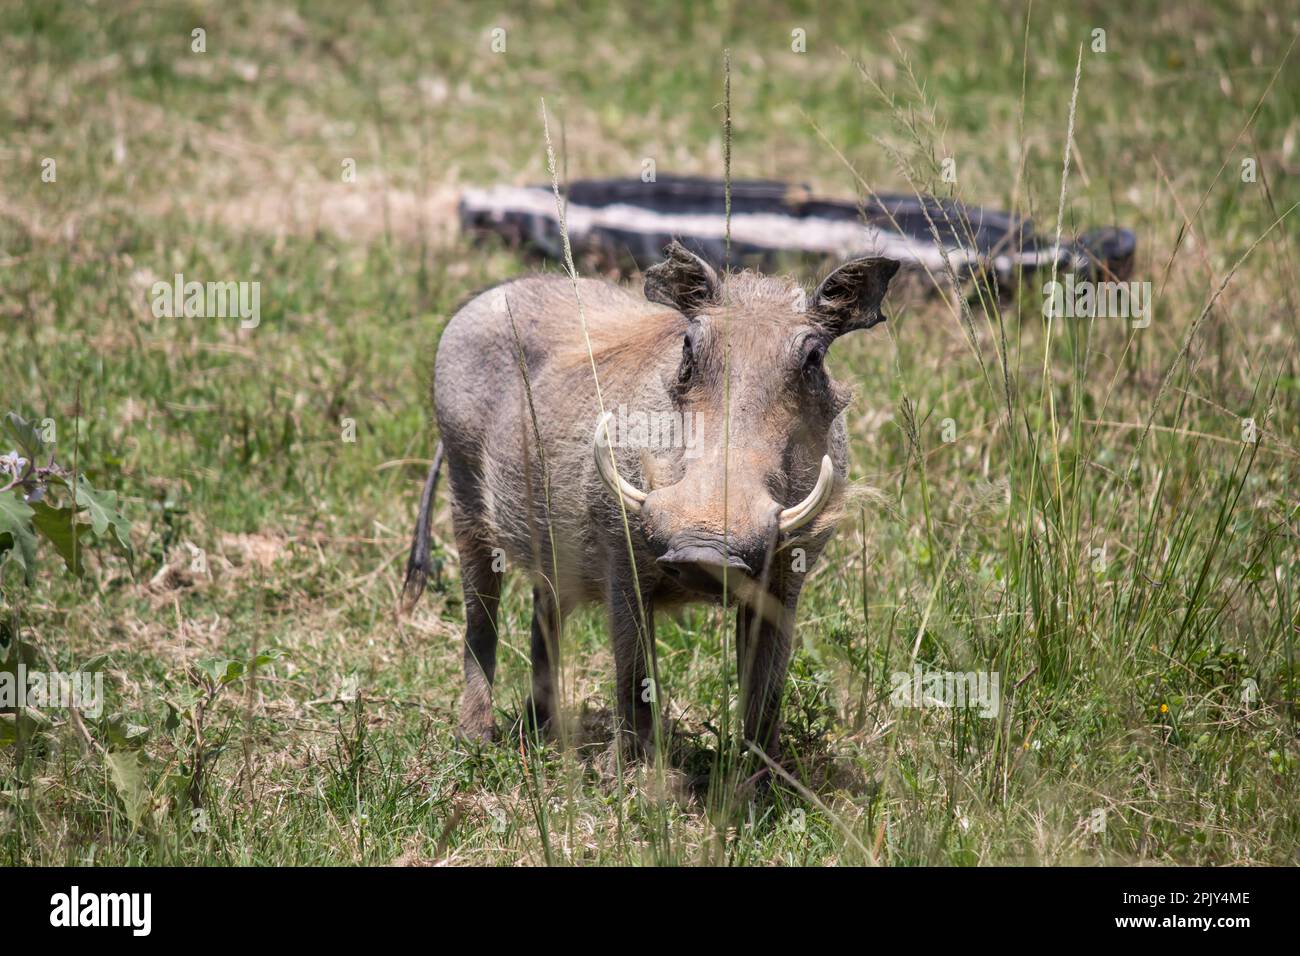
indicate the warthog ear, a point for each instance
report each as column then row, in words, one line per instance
column 850, row 297
column 683, row 281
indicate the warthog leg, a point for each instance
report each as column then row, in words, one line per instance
column 636, row 678
column 540, row 708
column 482, row 587
column 762, row 656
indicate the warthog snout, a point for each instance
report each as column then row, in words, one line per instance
column 698, row 563
column 681, row 522
column 715, row 514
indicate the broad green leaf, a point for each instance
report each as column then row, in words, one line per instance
column 27, row 435
column 180, row 702
column 221, row 670
column 16, row 535
column 102, row 509
column 172, row 721
column 128, row 779
column 117, row 731
column 224, row 671
column 267, row 657
column 180, row 783
column 58, row 527
column 234, row 671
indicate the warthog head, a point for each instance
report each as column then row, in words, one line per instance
column 752, row 386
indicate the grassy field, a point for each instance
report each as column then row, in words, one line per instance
column 1096, row 532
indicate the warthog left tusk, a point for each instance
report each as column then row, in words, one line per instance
column 796, row 516
column 632, row 496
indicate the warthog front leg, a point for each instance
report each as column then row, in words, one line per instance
column 636, row 679
column 762, row 656
column 540, row 708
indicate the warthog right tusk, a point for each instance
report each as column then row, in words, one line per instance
column 632, row 496
column 796, row 516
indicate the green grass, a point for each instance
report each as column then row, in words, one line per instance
column 1121, row 678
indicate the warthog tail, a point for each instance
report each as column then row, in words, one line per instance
column 417, row 565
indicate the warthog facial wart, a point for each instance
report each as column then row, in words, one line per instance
column 721, row 441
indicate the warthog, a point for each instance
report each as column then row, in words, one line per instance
column 545, row 475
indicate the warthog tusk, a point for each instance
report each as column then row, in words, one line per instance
column 795, row 517
column 632, row 496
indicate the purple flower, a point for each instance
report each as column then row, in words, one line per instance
column 13, row 463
